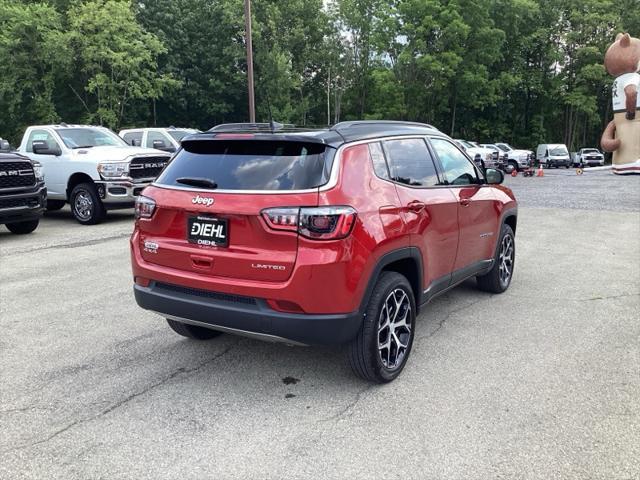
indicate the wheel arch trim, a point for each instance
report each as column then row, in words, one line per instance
column 405, row 253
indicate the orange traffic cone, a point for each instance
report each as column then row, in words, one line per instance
column 540, row 172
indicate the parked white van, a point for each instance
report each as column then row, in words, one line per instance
column 553, row 155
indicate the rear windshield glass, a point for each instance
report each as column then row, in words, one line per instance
column 250, row 165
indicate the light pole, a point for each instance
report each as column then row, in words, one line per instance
column 247, row 24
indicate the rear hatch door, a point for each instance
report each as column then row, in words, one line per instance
column 209, row 201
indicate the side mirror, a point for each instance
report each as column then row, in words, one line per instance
column 40, row 147
column 4, row 146
column 136, row 142
column 494, row 177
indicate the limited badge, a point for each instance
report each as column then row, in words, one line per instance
column 150, row 247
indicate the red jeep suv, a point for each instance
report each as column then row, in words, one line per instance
column 325, row 236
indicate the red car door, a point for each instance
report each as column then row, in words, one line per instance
column 429, row 211
column 478, row 209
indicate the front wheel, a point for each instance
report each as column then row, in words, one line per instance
column 499, row 277
column 86, row 206
column 381, row 349
column 22, row 228
column 192, row 331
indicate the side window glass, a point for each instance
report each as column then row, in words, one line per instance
column 40, row 135
column 410, row 162
column 133, row 138
column 379, row 162
column 458, row 170
column 153, row 136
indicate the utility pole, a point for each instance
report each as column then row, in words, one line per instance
column 248, row 42
column 329, row 97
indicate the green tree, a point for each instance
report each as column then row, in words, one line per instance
column 34, row 54
column 115, row 58
column 205, row 51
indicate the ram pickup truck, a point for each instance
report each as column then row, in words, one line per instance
column 23, row 196
column 588, row 157
column 483, row 157
column 517, row 159
column 91, row 168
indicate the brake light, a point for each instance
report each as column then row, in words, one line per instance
column 316, row 223
column 144, row 207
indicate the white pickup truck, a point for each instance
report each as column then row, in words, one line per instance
column 166, row 139
column 90, row 167
column 518, row 159
column 587, row 157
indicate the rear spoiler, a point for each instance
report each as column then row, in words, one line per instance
column 306, row 137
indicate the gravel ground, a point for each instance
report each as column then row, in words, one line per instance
column 541, row 382
column 594, row 190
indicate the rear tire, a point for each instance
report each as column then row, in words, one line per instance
column 499, row 277
column 86, row 206
column 382, row 347
column 23, row 228
column 192, row 331
column 53, row 205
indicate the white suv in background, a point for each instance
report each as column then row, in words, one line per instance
column 165, row 139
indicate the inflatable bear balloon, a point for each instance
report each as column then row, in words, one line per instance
column 622, row 135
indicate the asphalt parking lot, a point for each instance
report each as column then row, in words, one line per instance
column 540, row 382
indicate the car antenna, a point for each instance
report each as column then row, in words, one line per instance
column 273, row 125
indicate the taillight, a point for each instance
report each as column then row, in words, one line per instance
column 144, row 207
column 316, row 223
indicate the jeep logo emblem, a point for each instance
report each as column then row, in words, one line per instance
column 206, row 201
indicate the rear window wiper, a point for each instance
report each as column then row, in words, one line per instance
column 197, row 182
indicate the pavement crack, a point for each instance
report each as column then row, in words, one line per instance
column 350, row 406
column 622, row 295
column 447, row 316
column 84, row 243
column 111, row 408
column 22, row 409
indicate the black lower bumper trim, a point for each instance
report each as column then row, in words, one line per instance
column 24, row 205
column 256, row 318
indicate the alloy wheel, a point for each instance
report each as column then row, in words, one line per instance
column 394, row 329
column 506, row 259
column 83, row 205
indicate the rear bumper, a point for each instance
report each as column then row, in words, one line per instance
column 246, row 315
column 23, row 206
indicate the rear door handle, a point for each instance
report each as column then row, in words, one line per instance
column 465, row 202
column 416, row 206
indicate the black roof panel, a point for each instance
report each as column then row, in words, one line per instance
column 343, row 132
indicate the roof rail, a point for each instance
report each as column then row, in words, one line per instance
column 363, row 123
column 250, row 127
